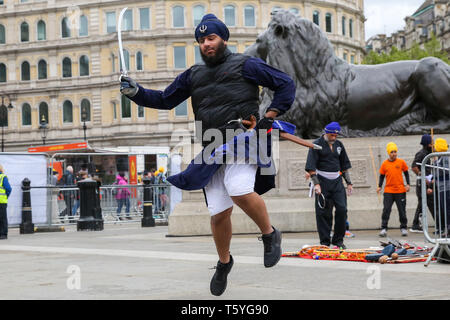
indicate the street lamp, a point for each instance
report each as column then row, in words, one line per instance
column 43, row 128
column 84, row 118
column 4, row 118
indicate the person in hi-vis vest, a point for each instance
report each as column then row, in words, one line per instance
column 5, row 191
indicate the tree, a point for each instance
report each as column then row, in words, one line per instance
column 432, row 48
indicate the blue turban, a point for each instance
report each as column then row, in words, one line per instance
column 211, row 24
column 426, row 140
column 333, row 127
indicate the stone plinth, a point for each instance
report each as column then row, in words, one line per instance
column 290, row 208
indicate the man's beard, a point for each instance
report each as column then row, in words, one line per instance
column 213, row 60
column 327, row 140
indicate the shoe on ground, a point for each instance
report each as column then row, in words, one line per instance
column 404, row 232
column 272, row 248
column 3, row 237
column 416, row 230
column 219, row 280
column 349, row 234
column 120, row 218
column 339, row 246
column 129, row 218
column 383, row 233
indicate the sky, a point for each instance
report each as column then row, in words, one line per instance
column 387, row 16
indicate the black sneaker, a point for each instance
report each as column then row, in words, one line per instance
column 219, row 279
column 272, row 248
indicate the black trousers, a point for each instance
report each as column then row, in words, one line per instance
column 3, row 220
column 388, row 201
column 335, row 196
column 419, row 210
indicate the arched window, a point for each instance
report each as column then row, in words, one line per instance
column 178, row 17
column 83, row 31
column 229, row 13
column 343, row 25
column 85, row 110
column 328, row 25
column 84, row 66
column 25, row 71
column 126, row 107
column 249, row 16
column 42, row 69
column 198, row 13
column 65, row 29
column 26, row 114
column 43, row 112
column 41, row 32
column 2, row 34
column 67, row 112
column 126, row 57
column 24, row 32
column 2, row 72
column 139, row 61
column 66, row 68
column 350, row 28
column 316, row 17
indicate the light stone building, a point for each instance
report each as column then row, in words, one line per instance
column 60, row 57
column 432, row 17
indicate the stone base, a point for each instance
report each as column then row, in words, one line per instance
column 90, row 225
column 148, row 222
column 26, row 228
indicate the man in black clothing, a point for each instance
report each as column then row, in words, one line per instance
column 327, row 167
column 427, row 144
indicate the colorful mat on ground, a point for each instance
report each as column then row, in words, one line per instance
column 394, row 252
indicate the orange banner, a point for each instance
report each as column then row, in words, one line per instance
column 59, row 147
column 133, row 174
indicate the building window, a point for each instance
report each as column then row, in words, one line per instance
column 113, row 63
column 43, row 112
column 230, row 16
column 178, row 17
column 26, row 114
column 83, row 31
column 197, row 55
column 128, row 20
column 25, row 71
column 66, row 68
column 84, row 66
column 316, row 18
column 41, row 32
column 179, row 54
column 345, row 56
column 294, row 11
column 2, row 34
column 126, row 57
column 350, row 28
column 114, row 110
column 352, row 59
column 24, row 32
column 141, row 112
column 144, row 18
column 181, row 109
column 328, row 17
column 198, row 13
column 65, row 29
column 139, row 64
column 2, row 72
column 42, row 69
column 110, row 22
column 85, row 107
column 67, row 112
column 249, row 16
column 343, row 26
column 126, row 107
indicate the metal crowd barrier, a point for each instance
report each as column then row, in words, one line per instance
column 63, row 203
column 437, row 203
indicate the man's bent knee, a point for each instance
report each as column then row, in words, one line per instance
column 221, row 216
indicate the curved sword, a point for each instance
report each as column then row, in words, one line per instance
column 124, row 71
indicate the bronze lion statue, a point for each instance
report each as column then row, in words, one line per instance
column 404, row 97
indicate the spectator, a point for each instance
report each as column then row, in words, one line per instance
column 442, row 181
column 68, row 181
column 163, row 197
column 5, row 191
column 123, row 196
column 394, row 190
column 81, row 176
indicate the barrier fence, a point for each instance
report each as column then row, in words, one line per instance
column 435, row 184
column 63, row 203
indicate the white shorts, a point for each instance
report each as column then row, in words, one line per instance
column 230, row 180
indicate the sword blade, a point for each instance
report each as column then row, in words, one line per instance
column 119, row 36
